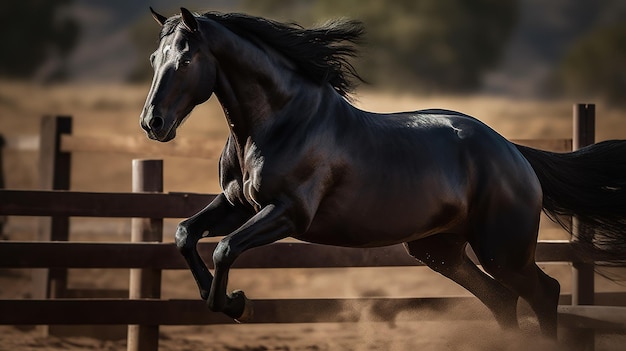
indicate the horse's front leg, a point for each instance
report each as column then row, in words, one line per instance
column 218, row 218
column 269, row 225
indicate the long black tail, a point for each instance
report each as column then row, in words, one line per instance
column 590, row 184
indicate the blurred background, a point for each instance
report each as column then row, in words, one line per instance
column 518, row 65
column 512, row 47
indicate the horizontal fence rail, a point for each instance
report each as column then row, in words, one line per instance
column 63, row 254
column 278, row 255
column 97, row 204
column 331, row 310
column 195, row 312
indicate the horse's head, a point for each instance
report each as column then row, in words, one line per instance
column 184, row 75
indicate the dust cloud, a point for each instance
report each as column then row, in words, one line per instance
column 381, row 325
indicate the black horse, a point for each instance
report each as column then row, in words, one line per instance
column 301, row 161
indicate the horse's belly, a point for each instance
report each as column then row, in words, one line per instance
column 381, row 225
column 363, row 238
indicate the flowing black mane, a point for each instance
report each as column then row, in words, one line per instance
column 321, row 54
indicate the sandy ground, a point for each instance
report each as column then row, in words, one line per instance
column 113, row 110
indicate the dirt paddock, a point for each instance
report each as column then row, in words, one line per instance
column 112, row 110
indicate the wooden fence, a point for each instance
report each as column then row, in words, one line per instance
column 144, row 311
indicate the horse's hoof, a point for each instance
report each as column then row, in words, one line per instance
column 248, row 307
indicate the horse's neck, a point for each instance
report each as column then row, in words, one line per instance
column 255, row 86
column 258, row 88
column 250, row 85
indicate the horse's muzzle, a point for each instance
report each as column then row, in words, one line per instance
column 156, row 128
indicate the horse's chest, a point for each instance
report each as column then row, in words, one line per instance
column 257, row 185
column 241, row 182
column 250, row 192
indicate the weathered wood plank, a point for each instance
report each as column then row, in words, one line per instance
column 94, row 204
column 54, row 174
column 344, row 310
column 165, row 255
column 194, row 312
column 145, row 282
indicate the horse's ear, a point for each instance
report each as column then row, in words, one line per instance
column 189, row 20
column 157, row 17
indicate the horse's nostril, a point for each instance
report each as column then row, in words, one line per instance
column 156, row 123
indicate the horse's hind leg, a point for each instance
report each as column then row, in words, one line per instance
column 508, row 255
column 445, row 254
column 537, row 288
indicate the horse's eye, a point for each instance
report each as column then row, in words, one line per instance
column 185, row 62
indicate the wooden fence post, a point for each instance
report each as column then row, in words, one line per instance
column 145, row 283
column 583, row 279
column 3, row 219
column 54, row 174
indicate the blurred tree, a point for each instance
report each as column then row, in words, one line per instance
column 145, row 35
column 435, row 45
column 34, row 31
column 594, row 66
column 431, row 45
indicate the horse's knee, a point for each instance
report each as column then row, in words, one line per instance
column 184, row 241
column 224, row 255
